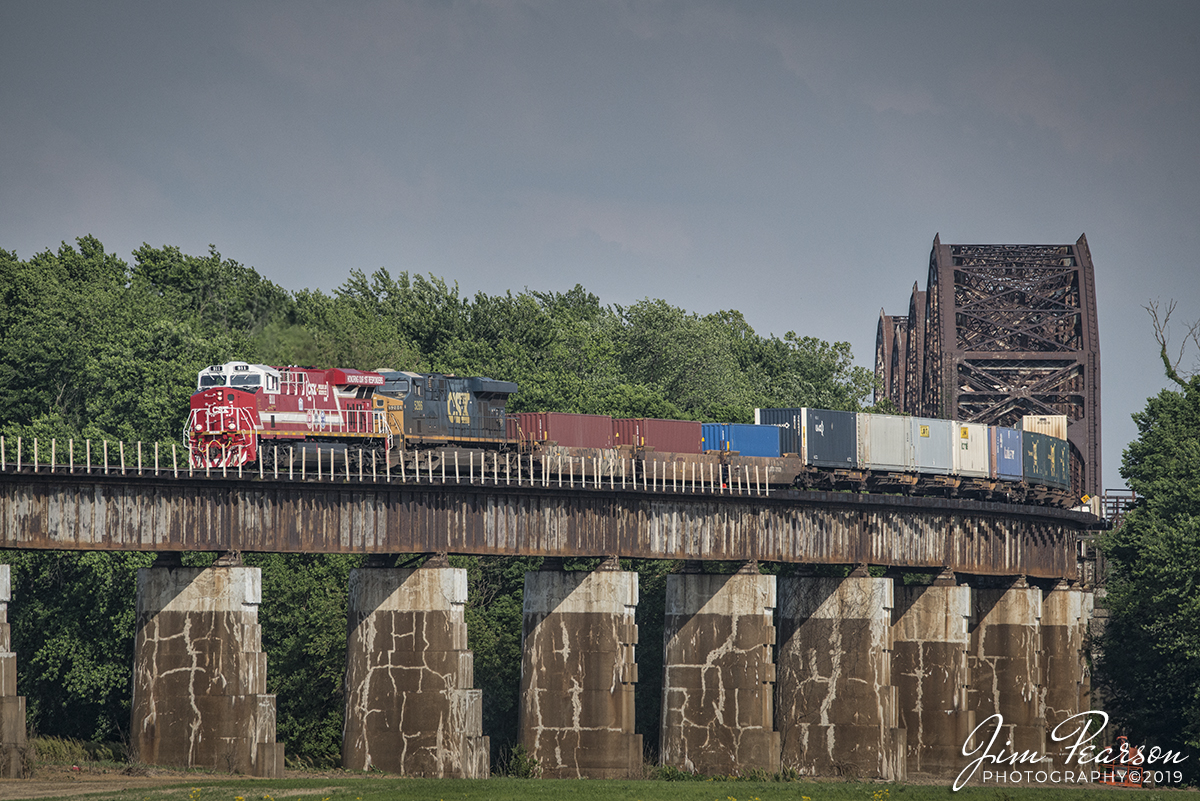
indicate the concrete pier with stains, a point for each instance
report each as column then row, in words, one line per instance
column 835, row 703
column 930, row 642
column 410, row 704
column 13, row 745
column 200, row 674
column 1006, row 671
column 578, row 672
column 719, row 673
column 1063, row 628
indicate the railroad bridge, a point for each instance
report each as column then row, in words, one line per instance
column 867, row 674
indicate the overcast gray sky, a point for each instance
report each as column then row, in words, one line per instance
column 789, row 160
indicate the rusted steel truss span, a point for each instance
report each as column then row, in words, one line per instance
column 112, row 513
column 1002, row 331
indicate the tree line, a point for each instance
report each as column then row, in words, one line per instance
column 92, row 346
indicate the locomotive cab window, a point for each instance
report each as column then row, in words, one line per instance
column 211, row 380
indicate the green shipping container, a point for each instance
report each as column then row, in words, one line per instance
column 1047, row 460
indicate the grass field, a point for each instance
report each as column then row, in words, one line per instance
column 353, row 788
column 68, row 769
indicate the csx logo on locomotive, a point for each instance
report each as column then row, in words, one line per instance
column 456, row 407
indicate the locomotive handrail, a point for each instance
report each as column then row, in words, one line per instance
column 576, row 472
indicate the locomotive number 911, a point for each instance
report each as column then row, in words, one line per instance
column 242, row 412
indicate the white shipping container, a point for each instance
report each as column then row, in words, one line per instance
column 1054, row 425
column 883, row 442
column 972, row 450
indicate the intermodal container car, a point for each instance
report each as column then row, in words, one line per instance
column 568, row 430
column 1054, row 425
column 665, row 436
column 790, row 423
column 931, row 444
column 884, row 443
column 1047, row 460
column 830, row 438
column 743, row 438
column 972, row 450
column 1006, row 460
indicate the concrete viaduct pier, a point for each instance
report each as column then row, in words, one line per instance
column 837, row 707
column 857, row 676
column 410, row 706
column 930, row 645
column 200, row 674
column 578, row 672
column 12, row 706
column 719, row 673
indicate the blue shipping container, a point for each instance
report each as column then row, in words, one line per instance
column 1007, row 459
column 746, row 439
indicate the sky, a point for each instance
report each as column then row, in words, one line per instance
column 790, row 160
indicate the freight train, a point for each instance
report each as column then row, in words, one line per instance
column 245, row 413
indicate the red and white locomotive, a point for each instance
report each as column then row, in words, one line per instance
column 239, row 409
column 243, row 413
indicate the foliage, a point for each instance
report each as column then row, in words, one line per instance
column 94, row 347
column 221, row 294
column 89, row 348
column 517, row 763
column 73, row 627
column 1150, row 670
column 66, row 751
column 650, row 616
column 303, row 622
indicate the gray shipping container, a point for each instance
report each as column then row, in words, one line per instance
column 830, row 438
column 932, row 445
column 884, row 442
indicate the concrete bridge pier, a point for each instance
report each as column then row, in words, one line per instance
column 930, row 642
column 1065, row 612
column 578, row 672
column 719, row 673
column 410, row 706
column 835, row 703
column 1005, row 664
column 12, row 706
column 199, row 671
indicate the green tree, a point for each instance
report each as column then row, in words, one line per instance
column 53, row 309
column 223, row 294
column 73, row 629
column 303, row 621
column 88, row 348
column 1150, row 663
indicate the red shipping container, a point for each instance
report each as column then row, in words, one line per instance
column 664, row 436
column 568, row 430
